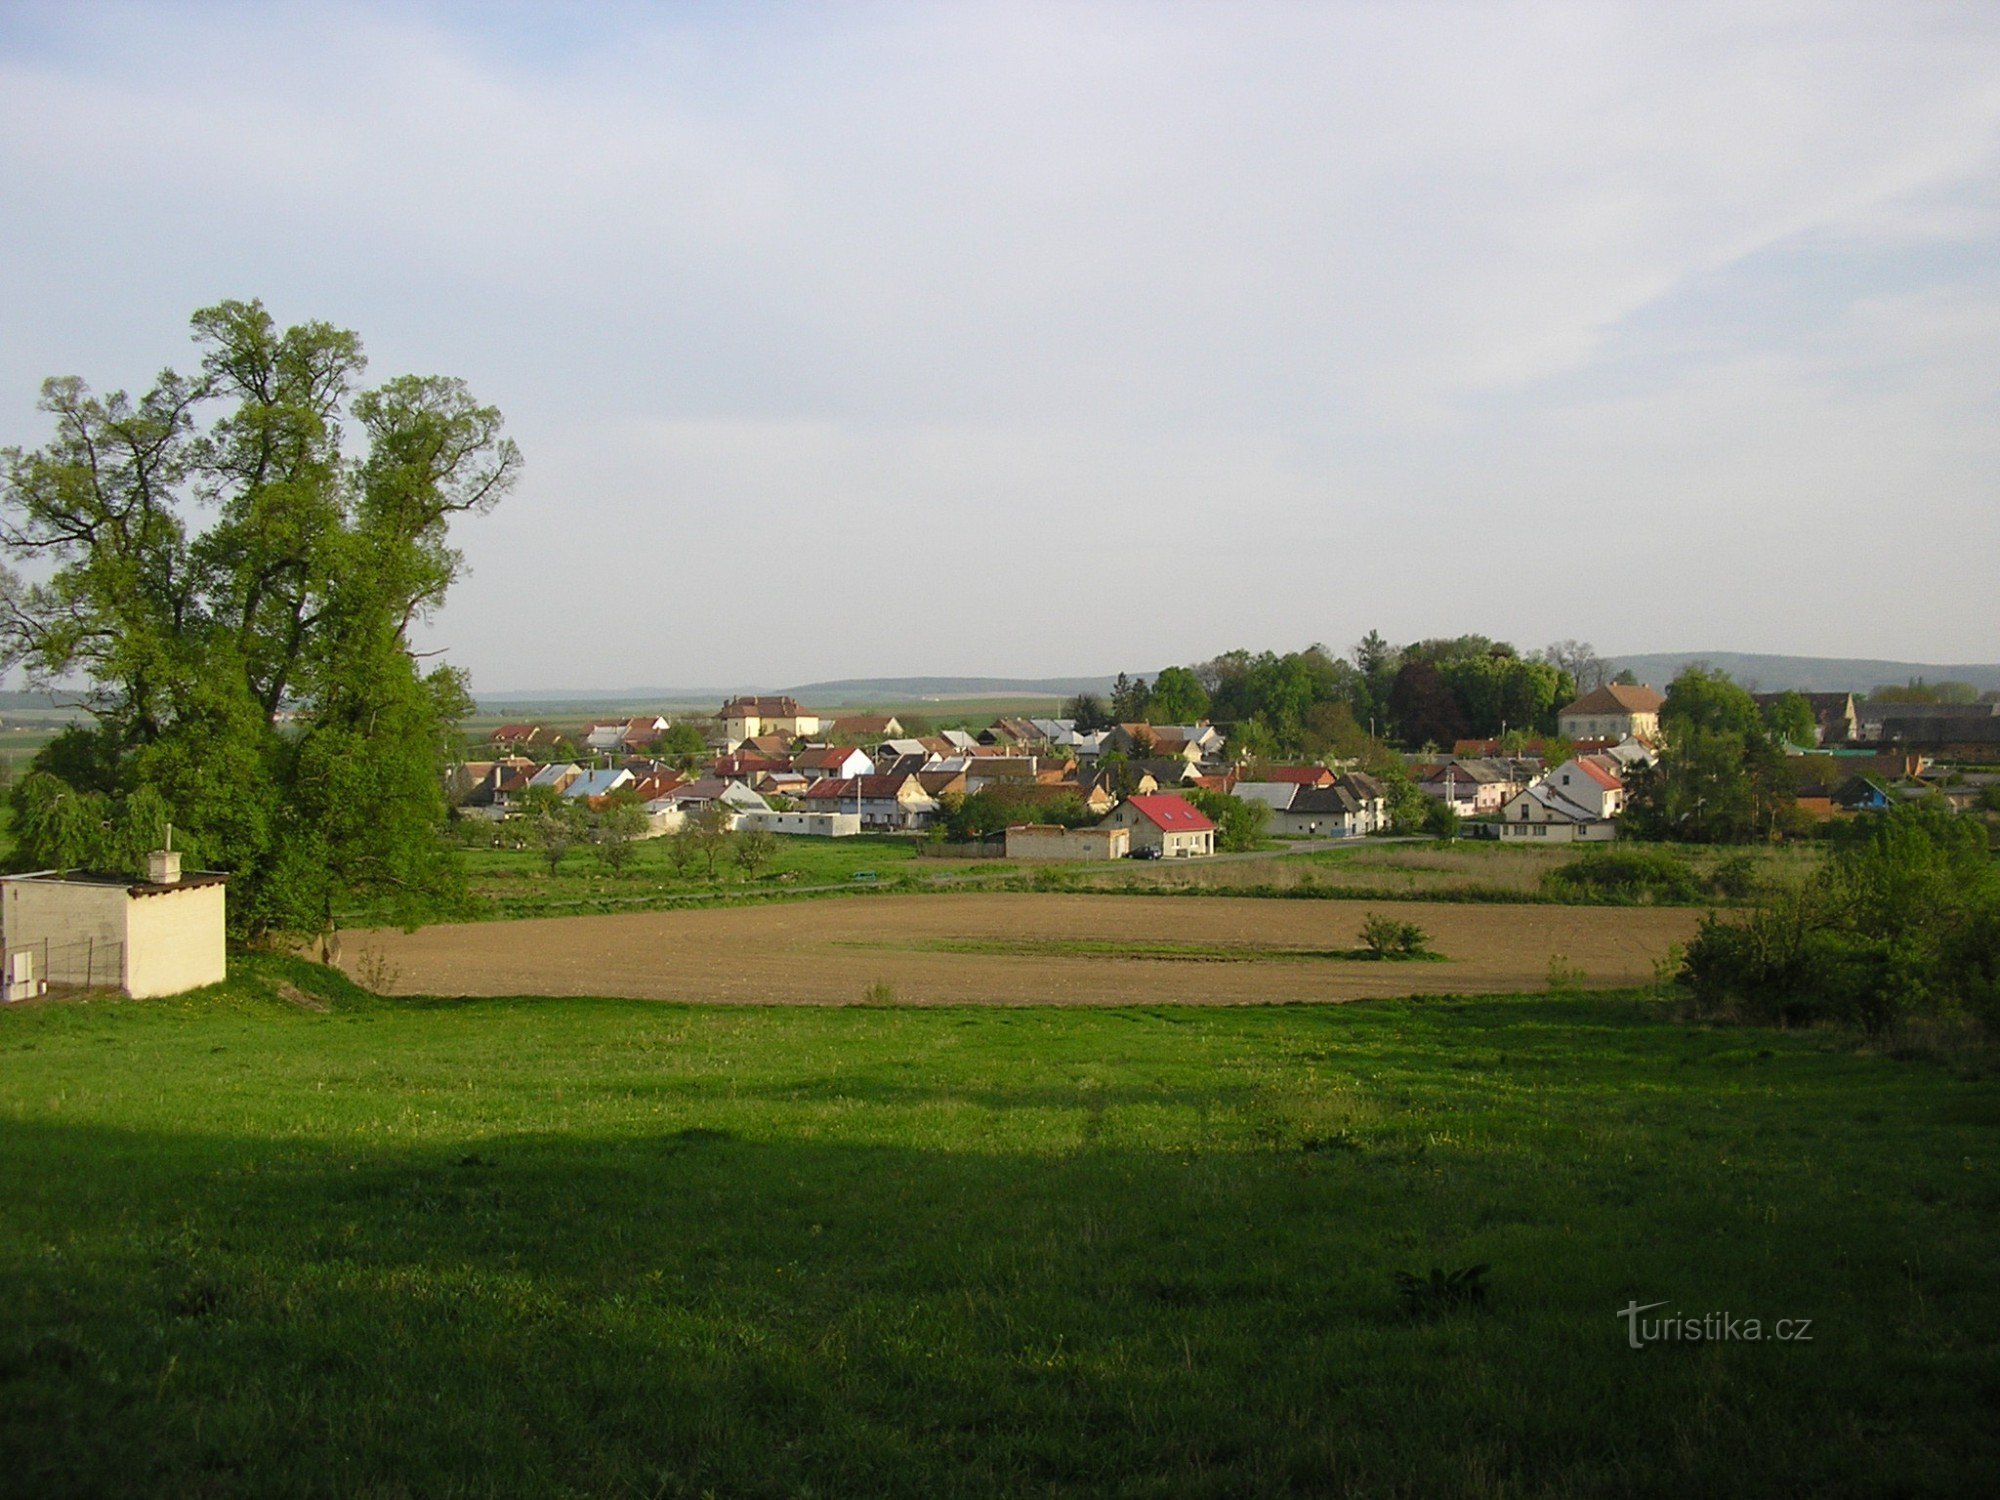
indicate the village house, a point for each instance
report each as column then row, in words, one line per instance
column 624, row 734
column 1352, row 806
column 1612, row 712
column 745, row 718
column 1579, row 800
column 556, row 776
column 1172, row 827
column 1471, row 788
column 896, row 803
column 522, row 737
column 861, row 729
column 592, row 787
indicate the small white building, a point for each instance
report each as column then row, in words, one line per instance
column 1053, row 841
column 824, row 825
column 157, row 936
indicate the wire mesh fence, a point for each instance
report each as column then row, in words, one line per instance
column 83, row 964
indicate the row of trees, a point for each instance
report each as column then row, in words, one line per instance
column 555, row 826
column 1313, row 702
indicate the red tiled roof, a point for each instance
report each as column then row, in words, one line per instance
column 1303, row 775
column 1171, row 814
column 1601, row 776
column 833, row 788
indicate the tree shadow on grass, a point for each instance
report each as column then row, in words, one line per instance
column 691, row 1309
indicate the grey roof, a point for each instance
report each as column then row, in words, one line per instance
column 1279, row 796
column 1325, row 799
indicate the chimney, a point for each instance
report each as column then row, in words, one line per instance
column 163, row 866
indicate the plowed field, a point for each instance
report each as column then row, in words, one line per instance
column 1018, row 950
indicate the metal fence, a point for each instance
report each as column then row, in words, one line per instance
column 87, row 963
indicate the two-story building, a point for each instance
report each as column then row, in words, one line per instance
column 1613, row 712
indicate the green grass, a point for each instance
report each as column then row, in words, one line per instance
column 589, row 1247
column 508, row 882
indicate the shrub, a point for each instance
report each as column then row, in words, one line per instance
column 1625, row 877
column 1901, row 924
column 1442, row 1291
column 1735, row 877
column 1386, row 937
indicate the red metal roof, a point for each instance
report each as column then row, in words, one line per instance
column 1171, row 814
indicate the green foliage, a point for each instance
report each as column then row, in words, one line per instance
column 1089, row 712
column 255, row 677
column 1407, row 807
column 1440, row 818
column 1495, row 693
column 1712, row 786
column 1239, row 823
column 1177, row 697
column 1625, row 875
column 615, row 830
column 708, row 833
column 1704, row 700
column 754, row 848
column 1131, row 699
column 1790, row 718
column 1902, row 922
column 1917, row 690
column 994, row 809
column 683, row 745
column 556, row 824
column 1387, row 937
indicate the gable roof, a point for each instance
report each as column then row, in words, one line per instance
column 1171, row 814
column 762, row 708
column 1598, row 774
column 1617, row 698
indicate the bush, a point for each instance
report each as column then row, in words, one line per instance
column 1625, row 877
column 1386, row 937
column 1735, row 877
column 1903, row 923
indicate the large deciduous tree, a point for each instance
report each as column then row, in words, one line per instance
column 230, row 566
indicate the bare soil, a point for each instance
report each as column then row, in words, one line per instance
column 898, row 949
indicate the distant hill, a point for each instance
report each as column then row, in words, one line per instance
column 865, row 689
column 846, row 692
column 1805, row 674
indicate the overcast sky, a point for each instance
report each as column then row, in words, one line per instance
column 1021, row 339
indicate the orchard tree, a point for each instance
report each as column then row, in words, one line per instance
column 754, row 849
column 231, row 563
column 617, row 830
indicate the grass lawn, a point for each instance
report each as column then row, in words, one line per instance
column 590, row 1247
column 509, row 882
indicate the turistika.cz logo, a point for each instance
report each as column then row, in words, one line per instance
column 1708, row 1328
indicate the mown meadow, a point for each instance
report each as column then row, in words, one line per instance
column 287, row 1238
